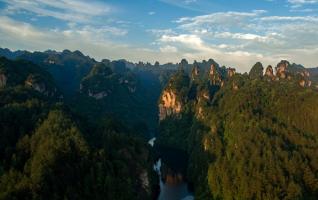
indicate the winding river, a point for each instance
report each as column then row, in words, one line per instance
column 171, row 191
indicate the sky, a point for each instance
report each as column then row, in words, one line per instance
column 235, row 33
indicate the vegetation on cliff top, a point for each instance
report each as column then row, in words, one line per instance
column 258, row 140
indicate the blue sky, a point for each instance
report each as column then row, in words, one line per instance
column 234, row 33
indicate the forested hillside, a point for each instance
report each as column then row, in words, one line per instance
column 230, row 135
column 49, row 152
column 95, row 93
column 249, row 136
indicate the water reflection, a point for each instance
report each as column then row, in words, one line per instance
column 174, row 188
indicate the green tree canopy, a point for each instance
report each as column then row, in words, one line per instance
column 256, row 71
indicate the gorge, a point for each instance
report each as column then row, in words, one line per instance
column 74, row 127
column 172, row 186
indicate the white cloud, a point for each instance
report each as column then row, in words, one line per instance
column 225, row 18
column 245, row 37
column 68, row 10
column 92, row 41
column 306, row 10
column 189, row 1
column 151, row 13
column 25, row 30
column 290, row 18
column 192, row 47
column 296, row 4
column 168, row 49
column 185, row 4
column 191, row 40
column 237, row 39
column 218, row 22
column 300, row 2
column 93, row 33
column 17, row 34
column 241, row 36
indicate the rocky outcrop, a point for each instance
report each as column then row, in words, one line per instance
column 132, row 89
column 215, row 77
column 269, row 72
column 305, row 74
column 281, row 70
column 202, row 98
column 36, row 85
column 206, row 144
column 199, row 113
column 231, row 72
column 286, row 71
column 304, row 79
column 131, row 85
column 309, row 83
column 235, row 86
column 302, row 83
column 195, row 72
column 3, row 80
column 97, row 96
column 52, row 62
column 203, row 95
column 213, row 70
column 144, row 178
column 174, row 179
column 206, row 95
column 169, row 104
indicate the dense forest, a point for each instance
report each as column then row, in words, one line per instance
column 50, row 151
column 76, row 128
column 249, row 137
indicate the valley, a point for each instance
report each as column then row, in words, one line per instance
column 158, row 100
column 73, row 127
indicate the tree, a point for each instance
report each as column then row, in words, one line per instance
column 257, row 71
column 183, row 64
column 58, row 156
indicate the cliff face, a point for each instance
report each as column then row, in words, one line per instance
column 3, row 80
column 195, row 72
column 26, row 74
column 285, row 70
column 37, row 83
column 67, row 68
column 203, row 97
column 169, row 104
column 304, row 79
column 231, row 72
column 281, row 69
column 128, row 82
column 216, row 118
column 215, row 77
column 178, row 92
column 269, row 72
column 98, row 95
column 103, row 81
column 175, row 95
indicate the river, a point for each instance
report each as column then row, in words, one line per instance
column 171, row 191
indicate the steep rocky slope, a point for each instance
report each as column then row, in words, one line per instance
column 27, row 74
column 248, row 130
